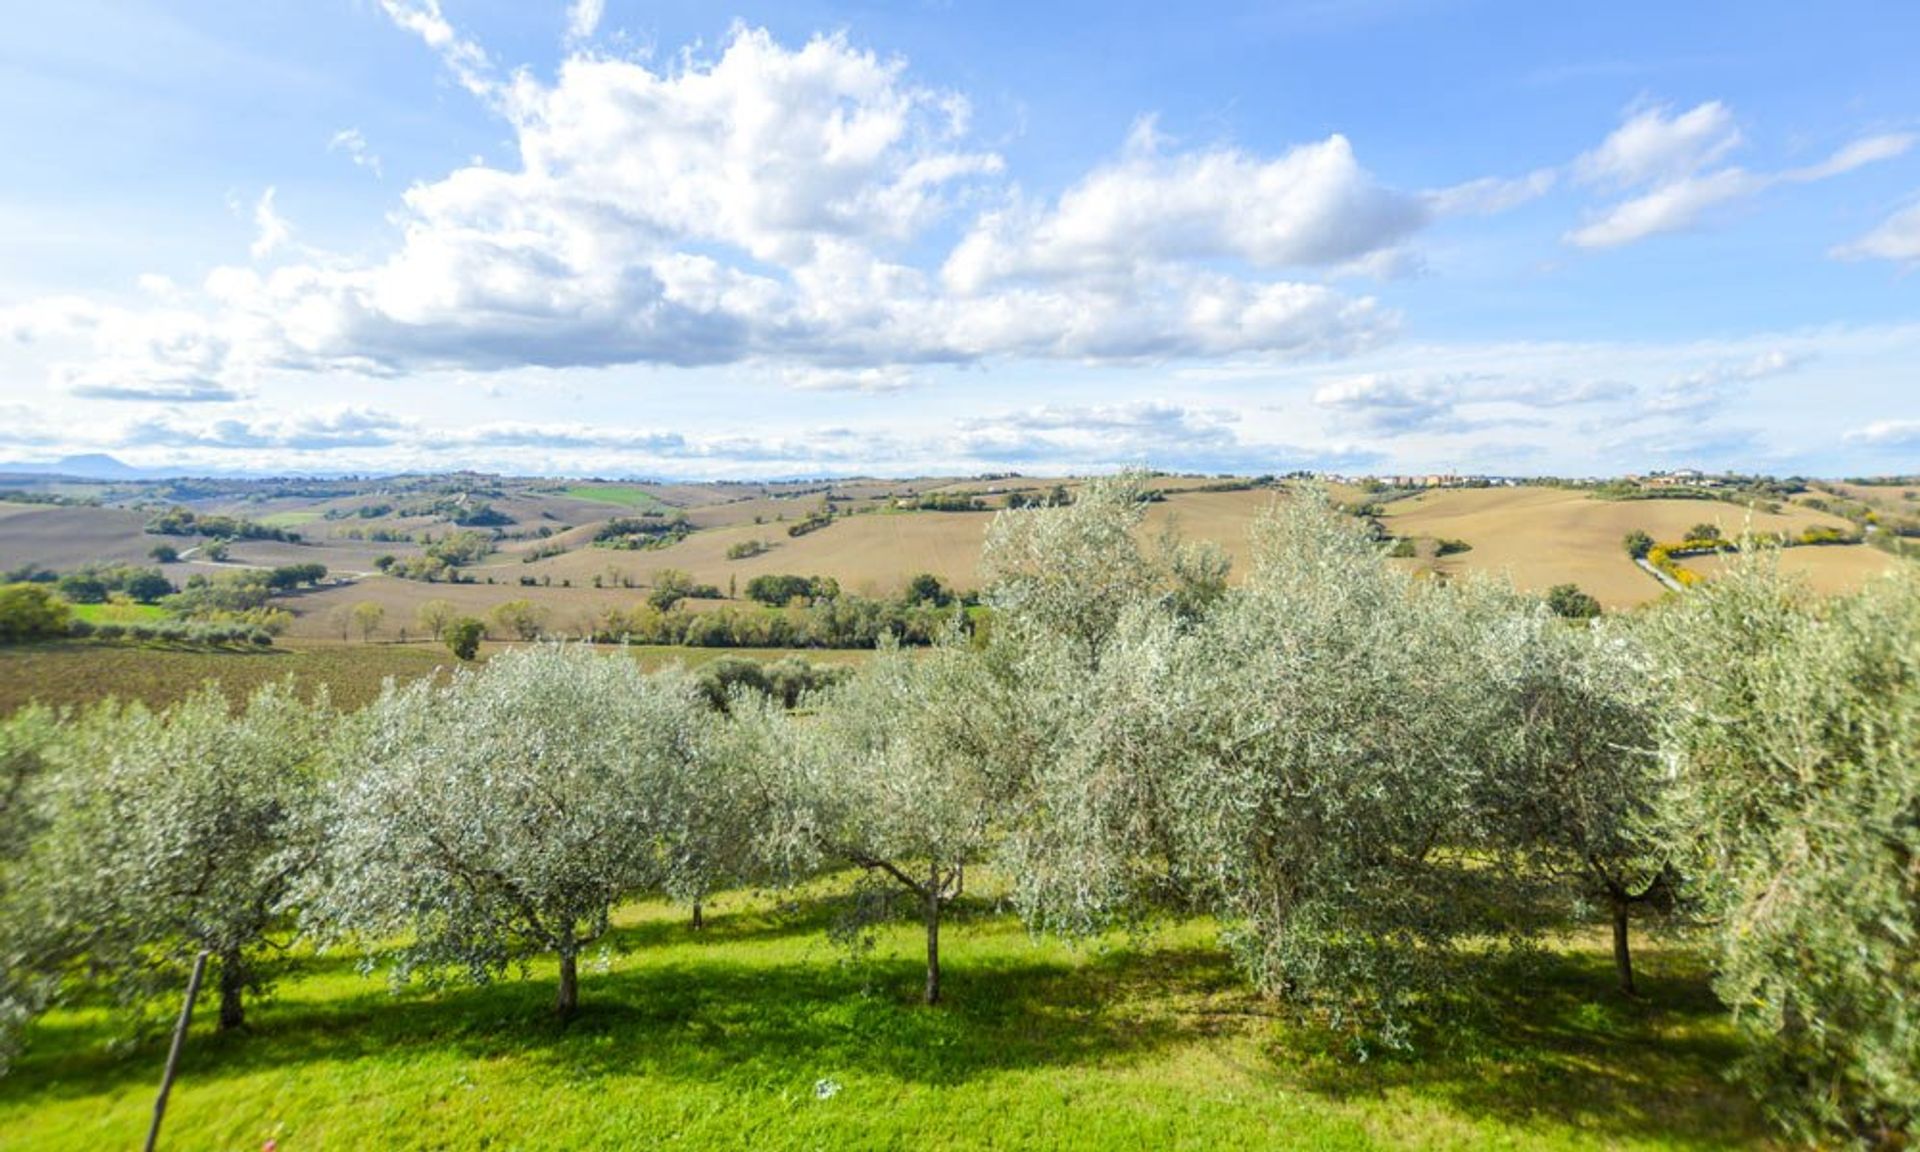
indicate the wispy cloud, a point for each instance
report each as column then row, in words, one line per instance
column 1672, row 162
column 583, row 20
column 353, row 145
column 1897, row 238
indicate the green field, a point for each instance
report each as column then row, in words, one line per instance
column 290, row 519
column 757, row 1032
column 119, row 613
column 74, row 674
column 626, row 497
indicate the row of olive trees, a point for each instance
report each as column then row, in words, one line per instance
column 1365, row 778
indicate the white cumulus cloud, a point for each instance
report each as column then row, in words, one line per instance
column 1313, row 205
column 788, row 206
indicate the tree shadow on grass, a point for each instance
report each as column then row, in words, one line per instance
column 1549, row 1038
column 694, row 1018
column 1536, row 1042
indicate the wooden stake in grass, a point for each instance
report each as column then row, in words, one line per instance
column 173, row 1052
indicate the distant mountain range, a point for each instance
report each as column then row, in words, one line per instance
column 96, row 466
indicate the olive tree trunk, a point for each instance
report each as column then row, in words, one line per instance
column 566, row 1000
column 933, row 936
column 233, row 987
column 1622, row 953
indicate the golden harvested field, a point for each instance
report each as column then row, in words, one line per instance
column 1540, row 537
column 875, row 552
column 872, row 552
column 1226, row 518
column 318, row 612
column 1826, row 569
column 1892, row 497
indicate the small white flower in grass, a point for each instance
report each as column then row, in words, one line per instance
column 826, row 1089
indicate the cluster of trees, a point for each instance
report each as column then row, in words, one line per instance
column 32, row 611
column 378, row 535
column 197, row 633
column 457, row 508
column 225, row 609
column 787, row 680
column 813, row 521
column 777, row 591
column 672, row 585
column 364, row 512
column 24, row 496
column 1370, row 781
column 180, row 521
column 98, row 585
column 645, row 531
column 442, row 559
column 1056, row 497
column 219, row 595
column 950, row 502
column 843, row 621
column 287, row 577
column 95, row 584
column 456, row 549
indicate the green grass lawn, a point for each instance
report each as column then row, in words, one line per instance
column 759, row 1033
column 120, row 613
column 627, row 497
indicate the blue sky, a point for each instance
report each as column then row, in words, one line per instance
column 684, row 240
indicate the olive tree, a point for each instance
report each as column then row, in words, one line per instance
column 1796, row 736
column 715, row 830
column 1089, row 841
column 1069, row 572
column 1077, row 664
column 175, row 832
column 747, row 811
column 501, row 816
column 25, row 738
column 1583, row 798
column 895, row 774
column 1316, row 767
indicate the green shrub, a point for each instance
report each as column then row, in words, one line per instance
column 31, row 612
column 1567, row 600
column 463, row 637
